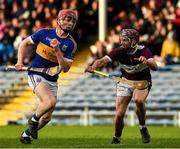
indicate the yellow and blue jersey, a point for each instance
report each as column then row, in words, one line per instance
column 45, row 56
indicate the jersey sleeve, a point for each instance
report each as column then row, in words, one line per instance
column 114, row 54
column 36, row 37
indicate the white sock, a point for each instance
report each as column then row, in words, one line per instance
column 142, row 126
column 117, row 137
column 33, row 119
column 25, row 135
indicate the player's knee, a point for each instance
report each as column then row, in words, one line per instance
column 50, row 102
column 53, row 102
column 140, row 103
column 120, row 113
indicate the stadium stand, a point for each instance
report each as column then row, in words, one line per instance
column 11, row 88
column 17, row 100
column 90, row 100
column 95, row 97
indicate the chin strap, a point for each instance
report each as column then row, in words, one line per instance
column 66, row 31
column 60, row 33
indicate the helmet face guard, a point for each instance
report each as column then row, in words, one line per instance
column 67, row 20
column 125, row 41
column 129, row 38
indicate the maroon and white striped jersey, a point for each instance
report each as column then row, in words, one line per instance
column 132, row 69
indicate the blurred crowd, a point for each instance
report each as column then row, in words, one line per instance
column 20, row 18
column 158, row 22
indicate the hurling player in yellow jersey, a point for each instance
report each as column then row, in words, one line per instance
column 55, row 46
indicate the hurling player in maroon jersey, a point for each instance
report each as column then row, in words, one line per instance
column 135, row 62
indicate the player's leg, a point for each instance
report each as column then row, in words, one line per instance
column 45, row 92
column 45, row 118
column 140, row 97
column 124, row 95
column 121, row 106
column 47, row 102
column 47, row 99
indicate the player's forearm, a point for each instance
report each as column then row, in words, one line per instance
column 152, row 64
column 98, row 64
column 65, row 65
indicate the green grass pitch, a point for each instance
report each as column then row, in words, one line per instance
column 59, row 136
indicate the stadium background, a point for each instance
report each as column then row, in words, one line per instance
column 85, row 99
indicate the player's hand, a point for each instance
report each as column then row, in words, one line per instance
column 141, row 59
column 95, row 66
column 55, row 44
column 19, row 66
column 89, row 69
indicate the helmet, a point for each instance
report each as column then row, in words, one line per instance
column 70, row 15
column 131, row 35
